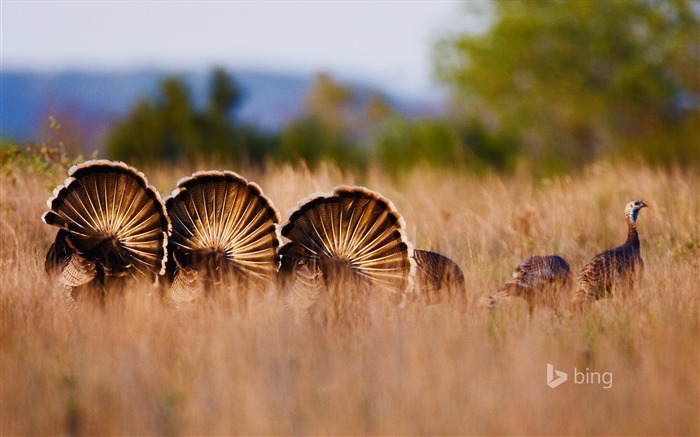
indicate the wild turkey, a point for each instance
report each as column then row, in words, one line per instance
column 615, row 269
column 346, row 248
column 224, row 233
column 438, row 279
column 540, row 280
column 111, row 224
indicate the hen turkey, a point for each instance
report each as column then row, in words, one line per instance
column 615, row 269
column 540, row 280
column 438, row 279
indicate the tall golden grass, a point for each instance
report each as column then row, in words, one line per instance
column 134, row 366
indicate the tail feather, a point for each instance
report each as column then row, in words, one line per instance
column 224, row 225
column 108, row 214
column 356, row 232
column 347, row 248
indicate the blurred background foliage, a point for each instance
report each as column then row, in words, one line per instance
column 550, row 85
column 560, row 83
column 173, row 129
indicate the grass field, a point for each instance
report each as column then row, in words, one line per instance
column 135, row 366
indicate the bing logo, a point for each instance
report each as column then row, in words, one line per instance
column 561, row 376
column 588, row 377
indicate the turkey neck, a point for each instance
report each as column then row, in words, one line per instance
column 632, row 235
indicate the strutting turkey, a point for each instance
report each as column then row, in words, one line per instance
column 540, row 280
column 615, row 269
column 112, row 224
column 347, row 248
column 224, row 236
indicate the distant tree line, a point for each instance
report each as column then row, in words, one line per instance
column 337, row 126
column 552, row 85
column 172, row 129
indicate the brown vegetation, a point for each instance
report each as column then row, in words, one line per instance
column 135, row 366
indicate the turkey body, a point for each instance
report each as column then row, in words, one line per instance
column 614, row 270
column 438, row 279
column 540, row 280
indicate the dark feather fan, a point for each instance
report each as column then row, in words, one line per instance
column 111, row 224
column 344, row 246
column 224, row 231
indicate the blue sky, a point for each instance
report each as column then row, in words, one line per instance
column 385, row 42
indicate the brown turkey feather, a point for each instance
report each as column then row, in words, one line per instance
column 438, row 278
column 111, row 223
column 301, row 277
column 224, row 227
column 540, row 280
column 184, row 289
column 351, row 236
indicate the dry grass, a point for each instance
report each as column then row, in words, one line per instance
column 136, row 367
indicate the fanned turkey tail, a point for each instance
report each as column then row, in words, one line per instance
column 345, row 247
column 224, row 233
column 111, row 222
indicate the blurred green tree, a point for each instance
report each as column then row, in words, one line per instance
column 312, row 140
column 216, row 125
column 378, row 110
column 564, row 82
column 224, row 95
column 171, row 128
column 328, row 130
column 401, row 144
column 330, row 102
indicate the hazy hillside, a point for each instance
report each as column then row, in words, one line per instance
column 93, row 100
